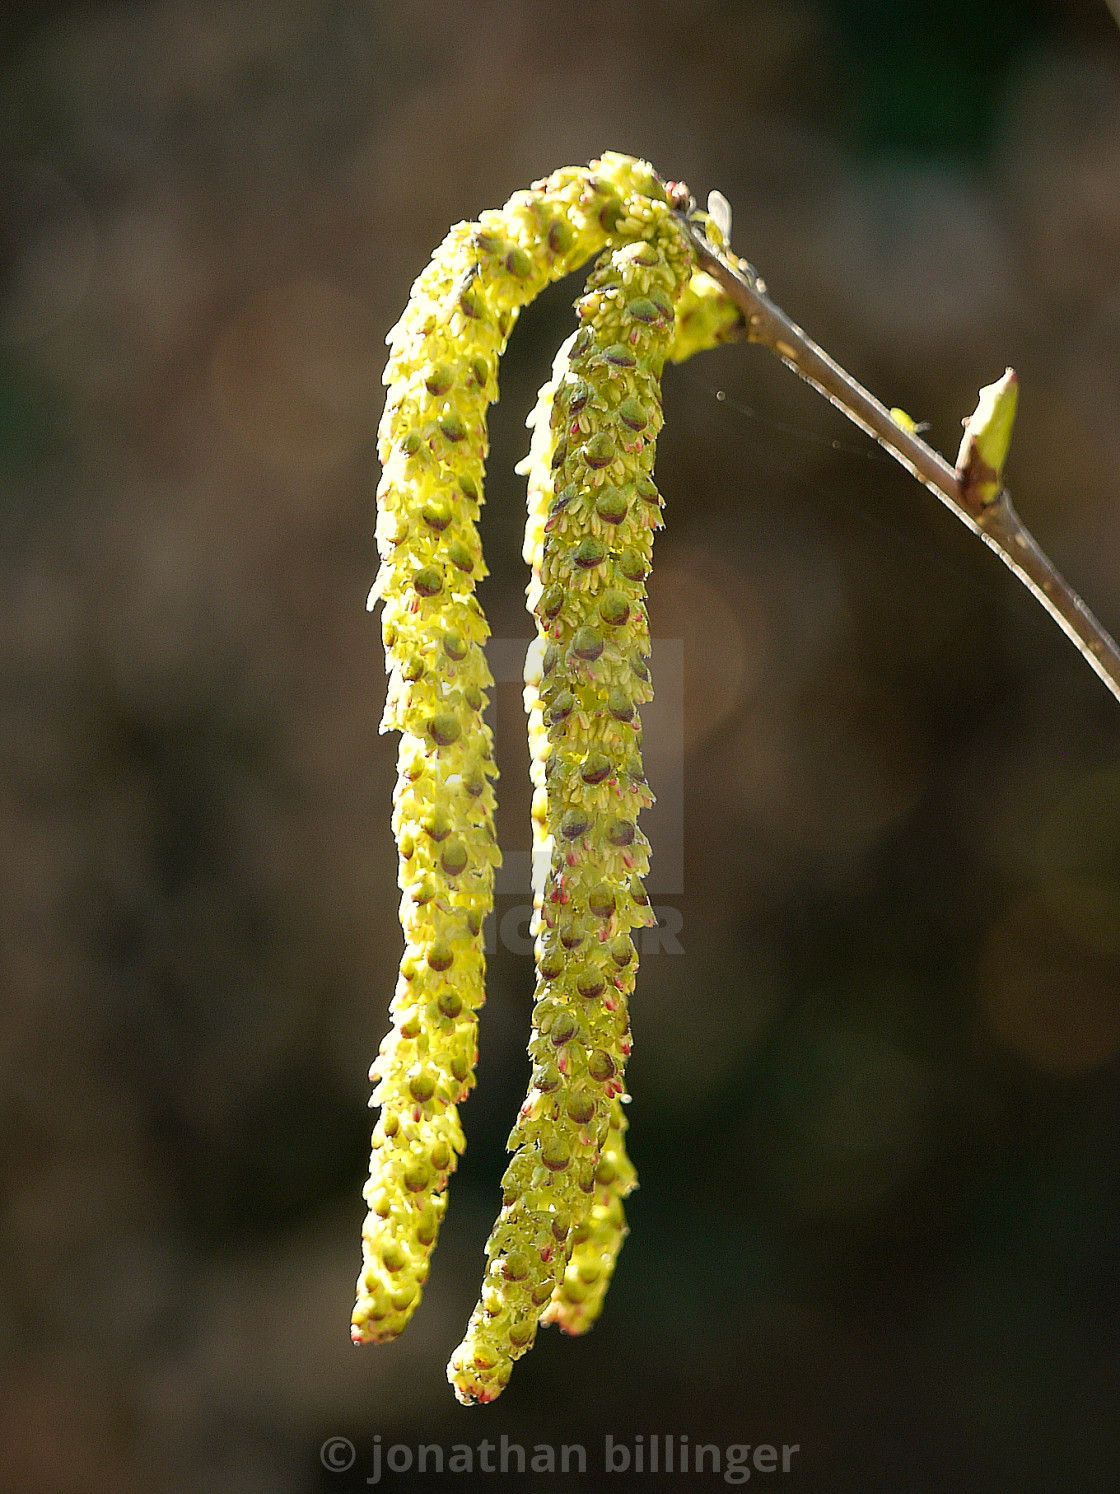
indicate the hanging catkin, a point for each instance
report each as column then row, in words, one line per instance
column 704, row 318
column 594, row 508
column 441, row 377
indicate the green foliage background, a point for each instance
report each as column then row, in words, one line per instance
column 876, row 1097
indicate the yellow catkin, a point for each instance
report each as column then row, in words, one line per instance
column 594, row 508
column 704, row 318
column 441, row 377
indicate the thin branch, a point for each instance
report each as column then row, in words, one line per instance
column 997, row 523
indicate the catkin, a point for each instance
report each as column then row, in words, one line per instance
column 594, row 508
column 597, row 1234
column 441, row 377
column 704, row 318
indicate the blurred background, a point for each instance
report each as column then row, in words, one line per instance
column 877, row 1092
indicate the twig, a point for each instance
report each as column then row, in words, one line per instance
column 997, row 523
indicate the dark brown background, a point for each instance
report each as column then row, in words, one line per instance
column 877, row 1098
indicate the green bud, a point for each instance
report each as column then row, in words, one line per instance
column 600, row 900
column 515, row 1267
column 587, row 643
column 584, row 338
column 633, row 565
column 561, row 707
column 642, row 309
column 440, row 955
column 560, row 236
column 546, row 1077
column 622, row 950
column 393, row 1256
column 552, row 601
column 428, row 581
column 574, row 823
column 555, row 1153
column 599, row 451
column 614, row 609
column 440, row 378
column 422, row 1087
column 633, row 413
column 590, row 983
column 571, row 934
column 563, row 1029
column 589, row 552
column 436, row 513
column 437, row 824
column 450, row 1004
column 620, row 705
column 600, row 1065
column 663, row 303
column 580, row 1106
column 619, row 355
column 551, row 965
column 445, row 729
column 417, row 1177
column 611, row 505
column 596, row 767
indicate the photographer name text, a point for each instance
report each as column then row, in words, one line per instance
column 659, row 1453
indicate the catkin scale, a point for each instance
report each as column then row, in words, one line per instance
column 593, row 510
column 441, row 377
